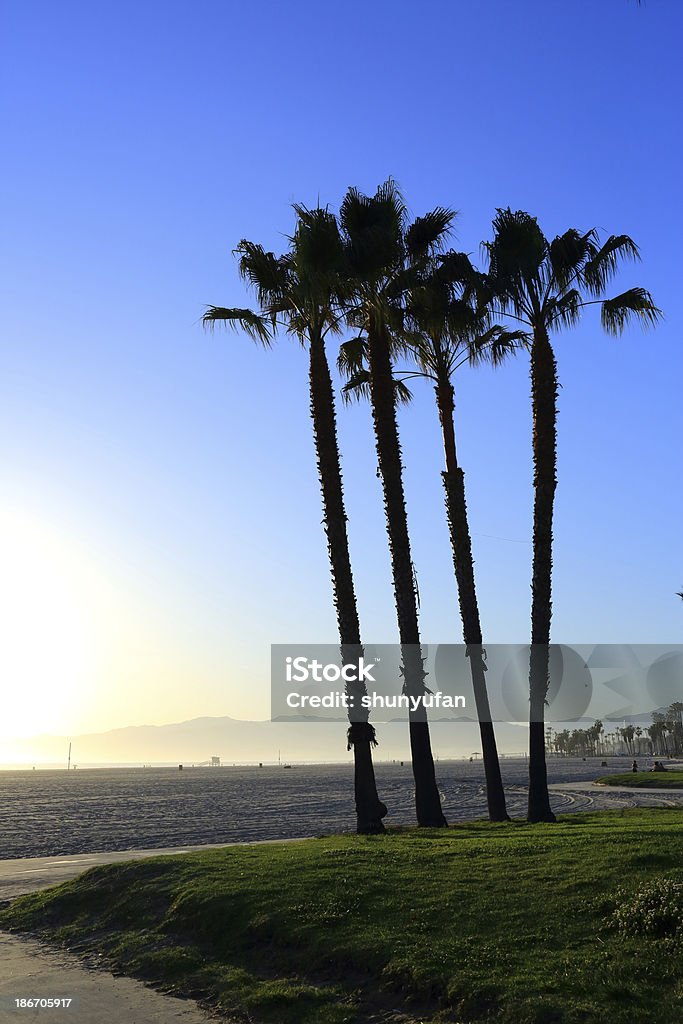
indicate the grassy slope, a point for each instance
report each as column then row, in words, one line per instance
column 645, row 780
column 480, row 922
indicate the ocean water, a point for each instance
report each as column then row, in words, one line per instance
column 50, row 812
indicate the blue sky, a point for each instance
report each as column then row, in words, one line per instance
column 142, row 142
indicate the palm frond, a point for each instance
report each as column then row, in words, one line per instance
column 455, row 268
column 428, row 234
column 565, row 311
column 516, row 252
column 373, row 227
column 427, row 303
column 568, row 253
column 258, row 327
column 317, row 248
column 263, row 270
column 634, row 304
column 399, row 283
column 357, row 386
column 482, row 290
column 496, row 345
column 355, row 211
column 599, row 271
column 402, row 393
column 463, row 320
column 390, row 197
column 352, row 356
column 457, row 265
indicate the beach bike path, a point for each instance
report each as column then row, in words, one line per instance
column 79, row 994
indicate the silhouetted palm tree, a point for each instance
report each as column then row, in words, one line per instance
column 544, row 286
column 382, row 249
column 298, row 291
column 446, row 332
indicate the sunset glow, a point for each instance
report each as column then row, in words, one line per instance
column 49, row 602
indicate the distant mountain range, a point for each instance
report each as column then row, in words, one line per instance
column 199, row 739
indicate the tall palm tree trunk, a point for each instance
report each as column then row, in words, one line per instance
column 361, row 734
column 463, row 563
column 544, row 387
column 427, row 798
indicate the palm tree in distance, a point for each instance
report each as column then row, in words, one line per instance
column 544, row 286
column 298, row 292
column 383, row 249
column 445, row 331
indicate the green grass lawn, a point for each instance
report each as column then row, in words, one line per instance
column 512, row 924
column 645, row 780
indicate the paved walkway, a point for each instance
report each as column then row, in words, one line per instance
column 593, row 787
column 28, row 874
column 29, row 969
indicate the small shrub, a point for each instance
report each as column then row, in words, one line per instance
column 654, row 910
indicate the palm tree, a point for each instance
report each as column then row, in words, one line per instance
column 382, row 249
column 545, row 286
column 447, row 333
column 598, row 730
column 444, row 332
column 297, row 291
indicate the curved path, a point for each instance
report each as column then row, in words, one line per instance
column 28, row 874
column 591, row 796
column 604, row 788
column 29, row 970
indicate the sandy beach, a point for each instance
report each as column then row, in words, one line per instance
column 51, row 813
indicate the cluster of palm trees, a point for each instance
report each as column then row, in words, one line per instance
column 666, row 731
column 663, row 736
column 578, row 742
column 407, row 306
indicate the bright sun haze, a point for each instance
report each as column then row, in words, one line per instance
column 49, row 599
